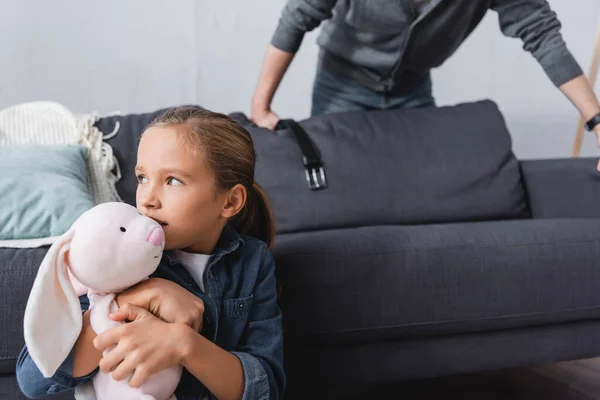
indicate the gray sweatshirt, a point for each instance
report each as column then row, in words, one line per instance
column 386, row 45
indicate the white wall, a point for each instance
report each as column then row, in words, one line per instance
column 138, row 55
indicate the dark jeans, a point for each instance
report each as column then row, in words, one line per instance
column 334, row 93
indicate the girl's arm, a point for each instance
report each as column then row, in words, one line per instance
column 86, row 357
column 255, row 369
column 34, row 385
column 219, row 370
column 149, row 345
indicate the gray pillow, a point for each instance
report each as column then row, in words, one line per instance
column 414, row 166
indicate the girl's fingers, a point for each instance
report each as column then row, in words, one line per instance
column 130, row 312
column 113, row 358
column 108, row 338
column 118, row 316
column 124, row 370
column 141, row 374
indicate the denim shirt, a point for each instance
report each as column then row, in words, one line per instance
column 241, row 316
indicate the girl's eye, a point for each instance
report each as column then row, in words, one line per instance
column 174, row 182
column 142, row 179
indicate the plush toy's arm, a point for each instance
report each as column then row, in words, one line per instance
column 101, row 306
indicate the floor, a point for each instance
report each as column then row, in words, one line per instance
column 575, row 380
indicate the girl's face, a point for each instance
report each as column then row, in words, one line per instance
column 176, row 189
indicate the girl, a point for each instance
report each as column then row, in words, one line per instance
column 211, row 306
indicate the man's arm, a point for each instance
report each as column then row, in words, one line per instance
column 537, row 25
column 580, row 92
column 297, row 18
column 274, row 67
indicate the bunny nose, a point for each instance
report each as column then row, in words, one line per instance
column 157, row 237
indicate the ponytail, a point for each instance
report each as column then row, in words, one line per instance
column 256, row 218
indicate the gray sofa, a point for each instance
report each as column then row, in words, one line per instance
column 432, row 252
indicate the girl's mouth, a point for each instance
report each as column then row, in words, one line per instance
column 161, row 223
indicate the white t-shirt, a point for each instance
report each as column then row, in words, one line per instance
column 194, row 263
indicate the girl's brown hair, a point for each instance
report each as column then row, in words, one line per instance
column 229, row 152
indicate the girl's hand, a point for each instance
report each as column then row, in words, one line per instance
column 166, row 300
column 144, row 347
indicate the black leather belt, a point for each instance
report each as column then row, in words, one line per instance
column 313, row 166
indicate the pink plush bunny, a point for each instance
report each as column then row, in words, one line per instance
column 109, row 248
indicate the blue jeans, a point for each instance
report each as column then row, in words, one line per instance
column 334, row 93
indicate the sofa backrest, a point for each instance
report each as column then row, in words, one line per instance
column 413, row 166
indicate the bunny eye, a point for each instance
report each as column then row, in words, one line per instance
column 123, row 229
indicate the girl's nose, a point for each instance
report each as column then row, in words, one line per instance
column 147, row 198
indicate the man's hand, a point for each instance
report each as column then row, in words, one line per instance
column 580, row 92
column 167, row 301
column 274, row 66
column 264, row 118
column 144, row 347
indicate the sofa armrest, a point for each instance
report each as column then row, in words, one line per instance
column 562, row 188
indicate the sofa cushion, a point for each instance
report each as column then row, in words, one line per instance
column 562, row 188
column 388, row 282
column 18, row 268
column 410, row 166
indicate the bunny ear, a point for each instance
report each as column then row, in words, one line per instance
column 53, row 318
column 79, row 287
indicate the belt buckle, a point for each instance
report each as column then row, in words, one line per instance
column 315, row 177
